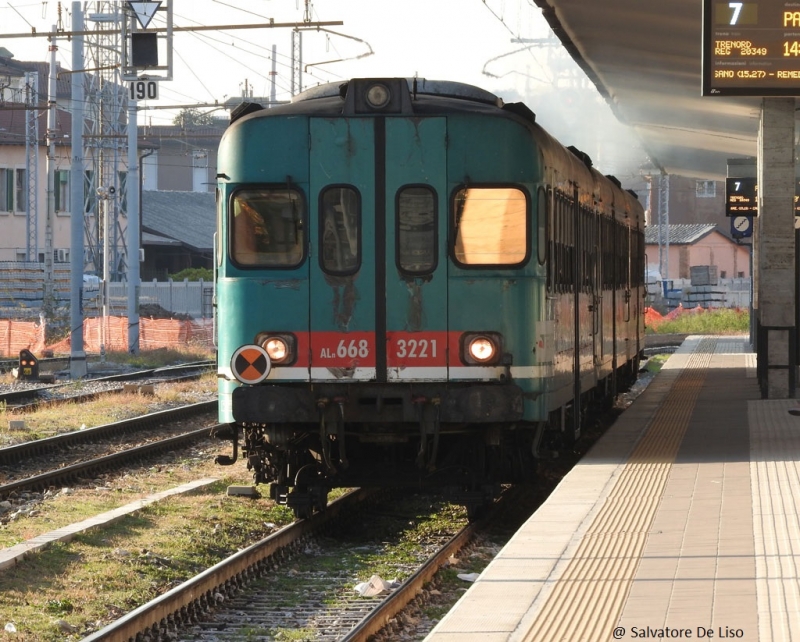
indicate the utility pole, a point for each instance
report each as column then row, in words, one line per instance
column 297, row 62
column 49, row 294
column 273, row 76
column 663, row 230
column 77, row 360
column 297, row 53
column 32, row 162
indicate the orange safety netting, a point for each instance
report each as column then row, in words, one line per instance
column 153, row 334
column 20, row 335
column 653, row 319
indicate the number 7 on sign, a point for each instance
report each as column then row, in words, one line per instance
column 737, row 9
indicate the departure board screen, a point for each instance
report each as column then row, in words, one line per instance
column 741, row 197
column 751, row 48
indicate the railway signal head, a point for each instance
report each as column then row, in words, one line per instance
column 28, row 365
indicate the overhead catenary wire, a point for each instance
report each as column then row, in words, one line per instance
column 236, row 45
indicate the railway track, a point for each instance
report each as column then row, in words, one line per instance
column 28, row 397
column 7, row 365
column 359, row 619
column 15, row 460
column 250, row 591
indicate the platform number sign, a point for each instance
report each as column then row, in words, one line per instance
column 143, row 90
column 741, row 197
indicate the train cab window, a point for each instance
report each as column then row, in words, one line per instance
column 340, row 230
column 491, row 226
column 416, row 230
column 267, row 227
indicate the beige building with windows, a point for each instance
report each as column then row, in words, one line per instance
column 23, row 191
column 695, row 245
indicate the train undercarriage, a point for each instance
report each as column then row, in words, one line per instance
column 468, row 463
column 366, row 438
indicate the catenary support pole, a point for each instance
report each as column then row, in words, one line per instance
column 134, row 225
column 77, row 360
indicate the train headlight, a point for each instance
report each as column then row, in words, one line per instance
column 481, row 348
column 276, row 349
column 378, row 96
column 281, row 347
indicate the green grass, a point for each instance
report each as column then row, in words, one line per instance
column 716, row 322
column 656, row 362
column 160, row 357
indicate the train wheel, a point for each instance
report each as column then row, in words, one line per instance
column 306, row 500
column 476, row 510
column 300, row 501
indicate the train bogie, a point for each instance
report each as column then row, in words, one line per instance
column 415, row 286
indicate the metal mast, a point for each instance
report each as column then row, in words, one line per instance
column 106, row 139
column 297, row 52
column 297, row 61
column 663, row 227
column 32, row 163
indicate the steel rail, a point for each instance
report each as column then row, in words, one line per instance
column 19, row 452
column 67, row 473
column 400, row 598
column 203, row 586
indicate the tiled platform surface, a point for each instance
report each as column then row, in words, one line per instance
column 681, row 523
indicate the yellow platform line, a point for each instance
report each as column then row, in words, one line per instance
column 588, row 598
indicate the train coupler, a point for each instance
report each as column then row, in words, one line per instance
column 340, row 436
column 428, row 412
column 227, row 432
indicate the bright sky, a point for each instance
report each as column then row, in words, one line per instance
column 465, row 40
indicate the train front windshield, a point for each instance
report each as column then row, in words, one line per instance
column 267, row 226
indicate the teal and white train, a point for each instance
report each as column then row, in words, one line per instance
column 416, row 286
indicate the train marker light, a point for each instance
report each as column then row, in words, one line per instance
column 250, row 364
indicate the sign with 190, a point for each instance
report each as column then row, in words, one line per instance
column 143, row 89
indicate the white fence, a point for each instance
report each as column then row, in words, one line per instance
column 728, row 293
column 22, row 293
column 189, row 298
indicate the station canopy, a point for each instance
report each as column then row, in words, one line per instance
column 646, row 59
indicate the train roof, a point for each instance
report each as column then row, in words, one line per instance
column 417, row 87
column 410, row 96
column 418, row 97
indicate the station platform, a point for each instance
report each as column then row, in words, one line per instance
column 680, row 523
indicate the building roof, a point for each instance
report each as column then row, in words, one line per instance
column 17, row 68
column 680, row 233
column 157, row 239
column 188, row 217
column 13, row 125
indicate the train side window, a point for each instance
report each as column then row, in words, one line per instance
column 267, row 227
column 491, row 226
column 542, row 217
column 218, row 235
column 340, row 230
column 416, row 230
